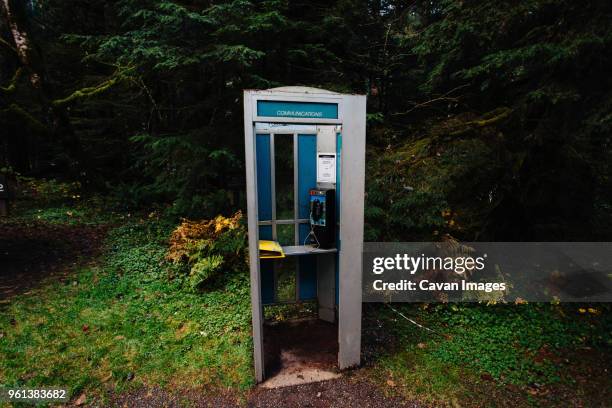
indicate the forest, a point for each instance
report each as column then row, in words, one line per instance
column 487, row 121
column 121, row 122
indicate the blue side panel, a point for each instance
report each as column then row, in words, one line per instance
column 307, row 171
column 264, row 198
column 264, row 178
column 265, row 232
column 304, row 230
column 267, row 281
column 308, row 277
column 307, row 179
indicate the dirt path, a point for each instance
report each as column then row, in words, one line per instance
column 34, row 251
column 344, row 392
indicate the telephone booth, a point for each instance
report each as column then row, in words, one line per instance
column 305, row 165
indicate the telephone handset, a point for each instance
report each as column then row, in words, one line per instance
column 316, row 210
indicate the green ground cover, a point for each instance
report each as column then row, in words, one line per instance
column 479, row 351
column 127, row 320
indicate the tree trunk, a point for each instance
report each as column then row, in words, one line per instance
column 15, row 17
column 61, row 127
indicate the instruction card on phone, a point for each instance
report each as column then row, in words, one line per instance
column 326, row 168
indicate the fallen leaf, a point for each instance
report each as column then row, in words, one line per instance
column 81, row 400
column 391, row 383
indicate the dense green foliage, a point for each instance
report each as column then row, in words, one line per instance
column 509, row 133
column 488, row 120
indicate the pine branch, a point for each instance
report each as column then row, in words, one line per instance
column 10, row 88
column 91, row 90
column 488, row 119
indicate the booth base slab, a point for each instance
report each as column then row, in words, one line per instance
column 300, row 352
column 295, row 372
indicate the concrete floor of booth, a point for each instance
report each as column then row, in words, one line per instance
column 300, row 351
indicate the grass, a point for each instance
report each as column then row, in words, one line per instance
column 55, row 202
column 128, row 321
column 78, row 214
column 420, row 377
column 485, row 347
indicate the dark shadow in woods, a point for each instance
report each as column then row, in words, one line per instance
column 33, row 252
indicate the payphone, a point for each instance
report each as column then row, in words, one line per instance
column 322, row 218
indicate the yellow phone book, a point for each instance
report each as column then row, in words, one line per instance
column 270, row 250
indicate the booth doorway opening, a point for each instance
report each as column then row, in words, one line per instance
column 299, row 351
column 298, row 289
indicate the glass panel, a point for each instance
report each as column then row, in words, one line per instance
column 283, row 162
column 264, row 177
column 285, row 279
column 285, row 234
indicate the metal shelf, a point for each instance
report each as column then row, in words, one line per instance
column 294, row 250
